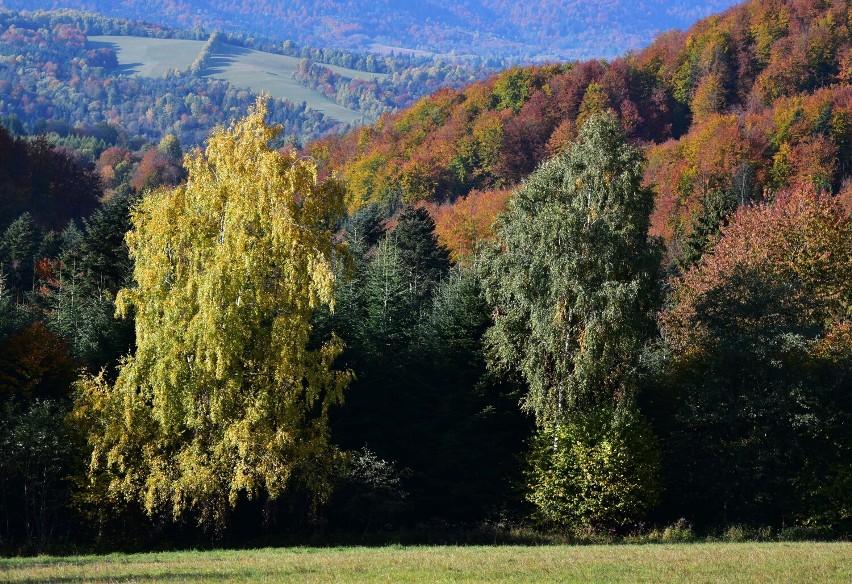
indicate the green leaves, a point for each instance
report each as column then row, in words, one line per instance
column 572, row 280
column 598, row 471
column 572, row 277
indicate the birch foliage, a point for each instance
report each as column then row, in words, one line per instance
column 224, row 395
column 573, row 278
column 573, row 287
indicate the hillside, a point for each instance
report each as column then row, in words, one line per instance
column 755, row 99
column 243, row 68
column 53, row 80
column 67, row 71
column 487, row 28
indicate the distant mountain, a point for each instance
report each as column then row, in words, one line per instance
column 527, row 31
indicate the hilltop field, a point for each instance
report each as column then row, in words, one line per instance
column 708, row 562
column 255, row 70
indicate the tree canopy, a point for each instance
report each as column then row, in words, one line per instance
column 572, row 279
column 224, row 395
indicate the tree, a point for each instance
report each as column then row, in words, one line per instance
column 572, row 280
column 755, row 403
column 169, row 147
column 718, row 206
column 425, row 260
column 224, row 397
column 18, row 248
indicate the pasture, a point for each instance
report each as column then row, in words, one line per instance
column 255, row 70
column 704, row 562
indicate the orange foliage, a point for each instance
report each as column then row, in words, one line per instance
column 802, row 237
column 460, row 225
column 801, row 140
column 757, row 99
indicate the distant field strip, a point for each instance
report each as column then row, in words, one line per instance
column 254, row 70
column 712, row 562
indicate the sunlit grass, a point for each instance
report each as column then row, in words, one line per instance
column 705, row 562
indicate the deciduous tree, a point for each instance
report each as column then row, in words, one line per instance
column 573, row 284
column 223, row 397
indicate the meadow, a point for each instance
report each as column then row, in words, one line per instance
column 704, row 562
column 255, row 70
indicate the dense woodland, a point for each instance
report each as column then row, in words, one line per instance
column 489, row 29
column 52, row 81
column 596, row 299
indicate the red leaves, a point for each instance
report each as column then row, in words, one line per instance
column 801, row 239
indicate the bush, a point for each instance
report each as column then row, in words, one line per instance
column 595, row 473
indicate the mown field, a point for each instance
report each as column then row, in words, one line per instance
column 706, row 562
column 253, row 70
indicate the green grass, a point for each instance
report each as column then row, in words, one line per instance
column 705, row 562
column 246, row 68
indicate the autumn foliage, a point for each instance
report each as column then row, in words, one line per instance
column 754, row 100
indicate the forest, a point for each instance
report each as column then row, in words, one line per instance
column 489, row 29
column 584, row 298
column 53, row 81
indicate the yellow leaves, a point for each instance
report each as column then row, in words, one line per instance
column 222, row 390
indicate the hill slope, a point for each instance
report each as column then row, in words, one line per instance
column 488, row 28
column 245, row 68
column 758, row 95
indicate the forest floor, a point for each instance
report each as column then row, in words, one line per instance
column 697, row 562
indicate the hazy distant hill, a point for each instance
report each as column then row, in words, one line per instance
column 489, row 28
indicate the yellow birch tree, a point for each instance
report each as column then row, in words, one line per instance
column 225, row 395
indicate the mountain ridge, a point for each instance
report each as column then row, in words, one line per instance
column 487, row 28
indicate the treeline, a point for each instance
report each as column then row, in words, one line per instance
column 201, row 62
column 50, row 77
column 409, row 77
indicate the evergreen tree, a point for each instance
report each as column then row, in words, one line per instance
column 104, row 257
column 718, row 207
column 18, row 248
column 426, row 261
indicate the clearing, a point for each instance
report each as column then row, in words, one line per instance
column 255, row 70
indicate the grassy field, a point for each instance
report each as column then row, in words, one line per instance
column 254, row 70
column 706, row 562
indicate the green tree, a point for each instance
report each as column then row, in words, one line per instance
column 169, row 147
column 573, row 283
column 718, row 206
column 18, row 248
column 426, row 261
column 95, row 265
column 224, row 396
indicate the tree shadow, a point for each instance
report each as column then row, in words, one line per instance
column 122, row 68
column 222, row 57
